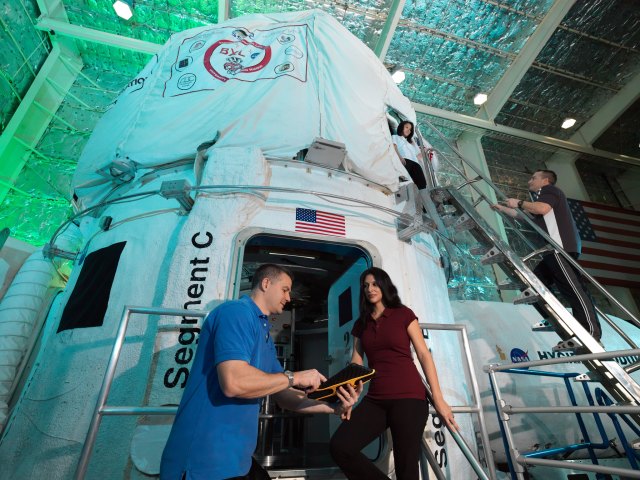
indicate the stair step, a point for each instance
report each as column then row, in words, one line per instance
column 464, row 222
column 535, row 253
column 409, row 232
column 440, row 195
column 510, row 285
column 570, row 345
column 449, row 220
column 492, row 256
column 632, row 368
column 589, row 377
column 527, row 296
column 613, row 377
column 479, row 250
column 543, row 326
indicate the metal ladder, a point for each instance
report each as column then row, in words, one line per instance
column 495, row 251
column 453, row 211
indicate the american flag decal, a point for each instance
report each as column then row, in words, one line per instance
column 610, row 242
column 320, row 223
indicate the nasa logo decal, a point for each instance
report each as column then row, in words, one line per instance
column 228, row 59
column 519, row 356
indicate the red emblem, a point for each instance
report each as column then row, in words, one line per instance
column 228, row 59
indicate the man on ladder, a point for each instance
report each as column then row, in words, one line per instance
column 550, row 211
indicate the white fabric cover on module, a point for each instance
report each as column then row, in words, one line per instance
column 274, row 82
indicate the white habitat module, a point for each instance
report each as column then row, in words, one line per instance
column 193, row 177
column 224, row 109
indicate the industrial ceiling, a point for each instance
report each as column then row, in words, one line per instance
column 62, row 62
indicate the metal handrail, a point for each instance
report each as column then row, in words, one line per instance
column 504, row 410
column 474, row 409
column 635, row 321
column 555, row 361
column 235, row 189
column 101, row 407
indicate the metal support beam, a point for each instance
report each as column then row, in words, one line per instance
column 53, row 9
column 57, row 27
column 470, row 146
column 589, row 133
column 223, row 10
column 514, row 132
column 609, row 113
column 523, row 61
column 390, row 25
column 33, row 115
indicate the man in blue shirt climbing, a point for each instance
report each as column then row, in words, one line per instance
column 215, row 431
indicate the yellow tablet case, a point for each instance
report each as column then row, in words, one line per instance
column 351, row 374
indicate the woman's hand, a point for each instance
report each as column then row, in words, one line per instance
column 445, row 413
column 348, row 398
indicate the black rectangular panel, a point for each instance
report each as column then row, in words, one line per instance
column 88, row 302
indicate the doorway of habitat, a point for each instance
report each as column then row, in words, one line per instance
column 313, row 331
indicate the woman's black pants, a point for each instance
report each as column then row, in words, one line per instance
column 406, row 418
column 416, row 173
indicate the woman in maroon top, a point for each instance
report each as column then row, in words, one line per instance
column 397, row 395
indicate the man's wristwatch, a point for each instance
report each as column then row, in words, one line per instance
column 289, row 375
column 520, row 202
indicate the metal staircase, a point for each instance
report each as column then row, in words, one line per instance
column 462, row 215
column 450, row 212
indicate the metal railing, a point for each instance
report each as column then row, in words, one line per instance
column 500, row 195
column 516, row 460
column 102, row 408
column 475, row 409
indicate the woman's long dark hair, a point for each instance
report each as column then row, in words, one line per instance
column 400, row 130
column 389, row 291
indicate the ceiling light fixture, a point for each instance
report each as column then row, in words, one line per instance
column 568, row 122
column 480, row 98
column 398, row 76
column 124, row 8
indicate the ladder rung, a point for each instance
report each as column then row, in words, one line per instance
column 527, row 296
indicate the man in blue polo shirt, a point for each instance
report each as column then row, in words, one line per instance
column 215, row 431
